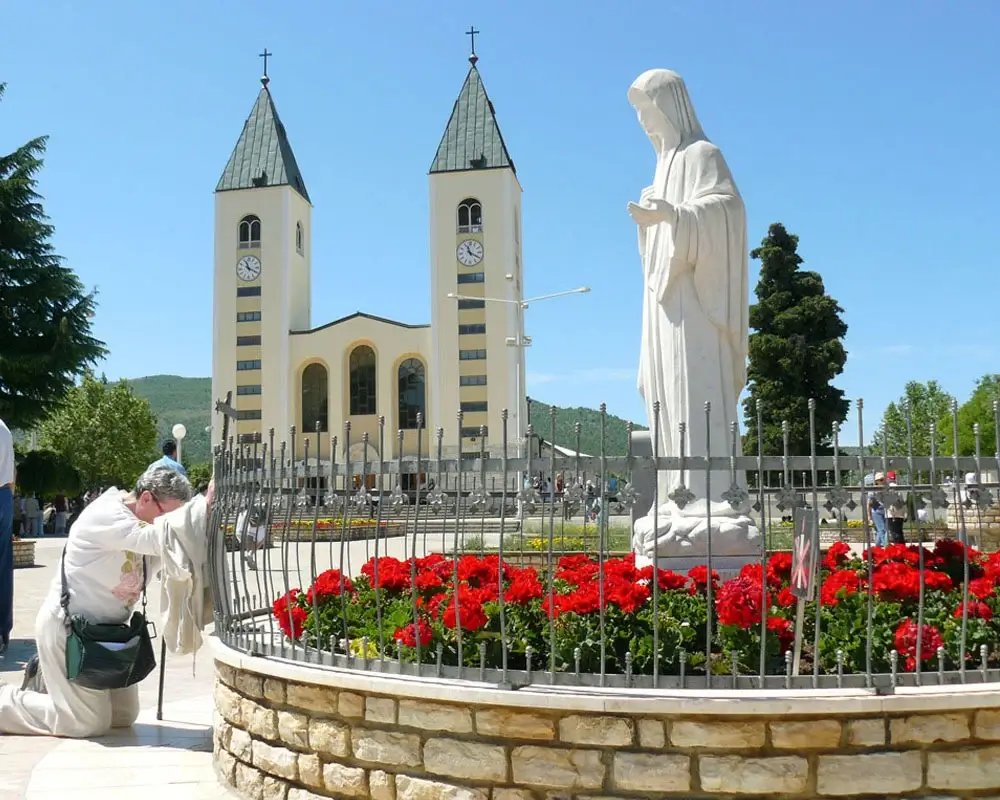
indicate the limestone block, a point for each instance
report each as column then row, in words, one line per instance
column 603, row 731
column 514, row 725
column 250, row 684
column 293, row 729
column 964, row 769
column 222, row 731
column 381, row 785
column 310, row 770
column 329, row 737
column 274, row 691
column 435, row 717
column 817, row 734
column 347, row 781
column 228, row 704
column 249, row 781
column 386, row 748
column 988, row 724
column 757, row 776
column 930, row 728
column 871, row 773
column 408, row 788
column 380, row 709
column 261, row 722
column 240, row 744
column 559, row 769
column 351, row 705
column 274, row 789
column 295, row 793
column 717, row 735
column 866, row 732
column 311, row 698
column 225, row 765
column 470, row 760
column 513, row 794
column 651, row 734
column 275, row 760
column 649, row 772
column 225, row 673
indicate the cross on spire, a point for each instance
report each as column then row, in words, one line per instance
column 472, row 34
column 264, row 79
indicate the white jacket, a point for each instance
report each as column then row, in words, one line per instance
column 185, row 599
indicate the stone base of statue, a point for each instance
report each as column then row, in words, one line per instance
column 678, row 538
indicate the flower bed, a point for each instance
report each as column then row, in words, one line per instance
column 379, row 605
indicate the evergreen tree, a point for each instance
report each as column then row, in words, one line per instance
column 927, row 403
column 795, row 349
column 45, row 336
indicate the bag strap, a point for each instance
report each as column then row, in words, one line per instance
column 64, row 593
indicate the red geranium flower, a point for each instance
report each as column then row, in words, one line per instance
column 837, row 555
column 576, row 570
column 786, row 598
column 625, row 594
column 739, row 602
column 407, row 637
column 839, row 585
column 327, row 585
column 783, row 628
column 982, row 587
column 977, row 610
column 524, row 587
column 470, row 612
column 779, row 569
column 393, row 574
column 290, row 615
column 699, row 579
column 906, row 642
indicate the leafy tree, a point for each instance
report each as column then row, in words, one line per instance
column 44, row 312
column 796, row 350
column 977, row 409
column 199, row 473
column 106, row 432
column 927, row 403
column 44, row 472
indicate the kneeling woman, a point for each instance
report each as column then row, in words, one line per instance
column 119, row 540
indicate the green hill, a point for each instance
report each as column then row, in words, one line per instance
column 189, row 401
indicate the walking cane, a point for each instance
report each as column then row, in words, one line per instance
column 226, row 408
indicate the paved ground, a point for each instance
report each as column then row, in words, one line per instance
column 168, row 759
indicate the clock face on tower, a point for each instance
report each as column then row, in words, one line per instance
column 470, row 252
column 248, row 268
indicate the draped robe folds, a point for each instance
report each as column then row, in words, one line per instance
column 694, row 328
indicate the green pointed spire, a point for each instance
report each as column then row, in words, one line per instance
column 472, row 137
column 263, row 156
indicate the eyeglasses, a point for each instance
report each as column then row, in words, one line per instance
column 161, row 509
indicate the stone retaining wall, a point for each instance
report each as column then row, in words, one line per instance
column 281, row 739
column 24, row 553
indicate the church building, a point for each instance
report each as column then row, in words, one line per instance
column 286, row 369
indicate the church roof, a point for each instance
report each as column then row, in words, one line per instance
column 360, row 315
column 472, row 139
column 262, row 156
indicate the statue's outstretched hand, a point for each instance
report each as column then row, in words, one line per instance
column 651, row 212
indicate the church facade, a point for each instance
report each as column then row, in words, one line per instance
column 458, row 372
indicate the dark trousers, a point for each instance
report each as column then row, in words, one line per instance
column 895, row 526
column 6, row 563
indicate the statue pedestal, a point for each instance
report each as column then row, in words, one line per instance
column 727, row 566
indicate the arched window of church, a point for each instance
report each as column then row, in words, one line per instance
column 300, row 238
column 412, row 393
column 470, row 216
column 314, row 398
column 362, row 381
column 249, row 232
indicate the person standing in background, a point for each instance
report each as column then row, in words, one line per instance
column 6, row 536
column 170, row 458
column 32, row 516
column 60, row 521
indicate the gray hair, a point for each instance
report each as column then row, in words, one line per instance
column 164, row 483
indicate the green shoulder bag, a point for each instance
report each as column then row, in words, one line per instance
column 107, row 656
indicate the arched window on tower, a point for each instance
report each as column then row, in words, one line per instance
column 314, row 398
column 300, row 239
column 248, row 234
column 362, row 381
column 412, row 393
column 470, row 216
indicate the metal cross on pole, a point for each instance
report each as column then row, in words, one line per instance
column 225, row 408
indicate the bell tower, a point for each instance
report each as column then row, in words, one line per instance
column 476, row 277
column 261, row 287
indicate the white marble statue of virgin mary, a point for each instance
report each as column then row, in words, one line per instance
column 692, row 241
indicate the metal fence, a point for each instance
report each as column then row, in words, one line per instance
column 477, row 573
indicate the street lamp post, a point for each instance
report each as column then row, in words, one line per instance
column 179, row 432
column 520, row 341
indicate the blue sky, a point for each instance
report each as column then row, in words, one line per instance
column 869, row 129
